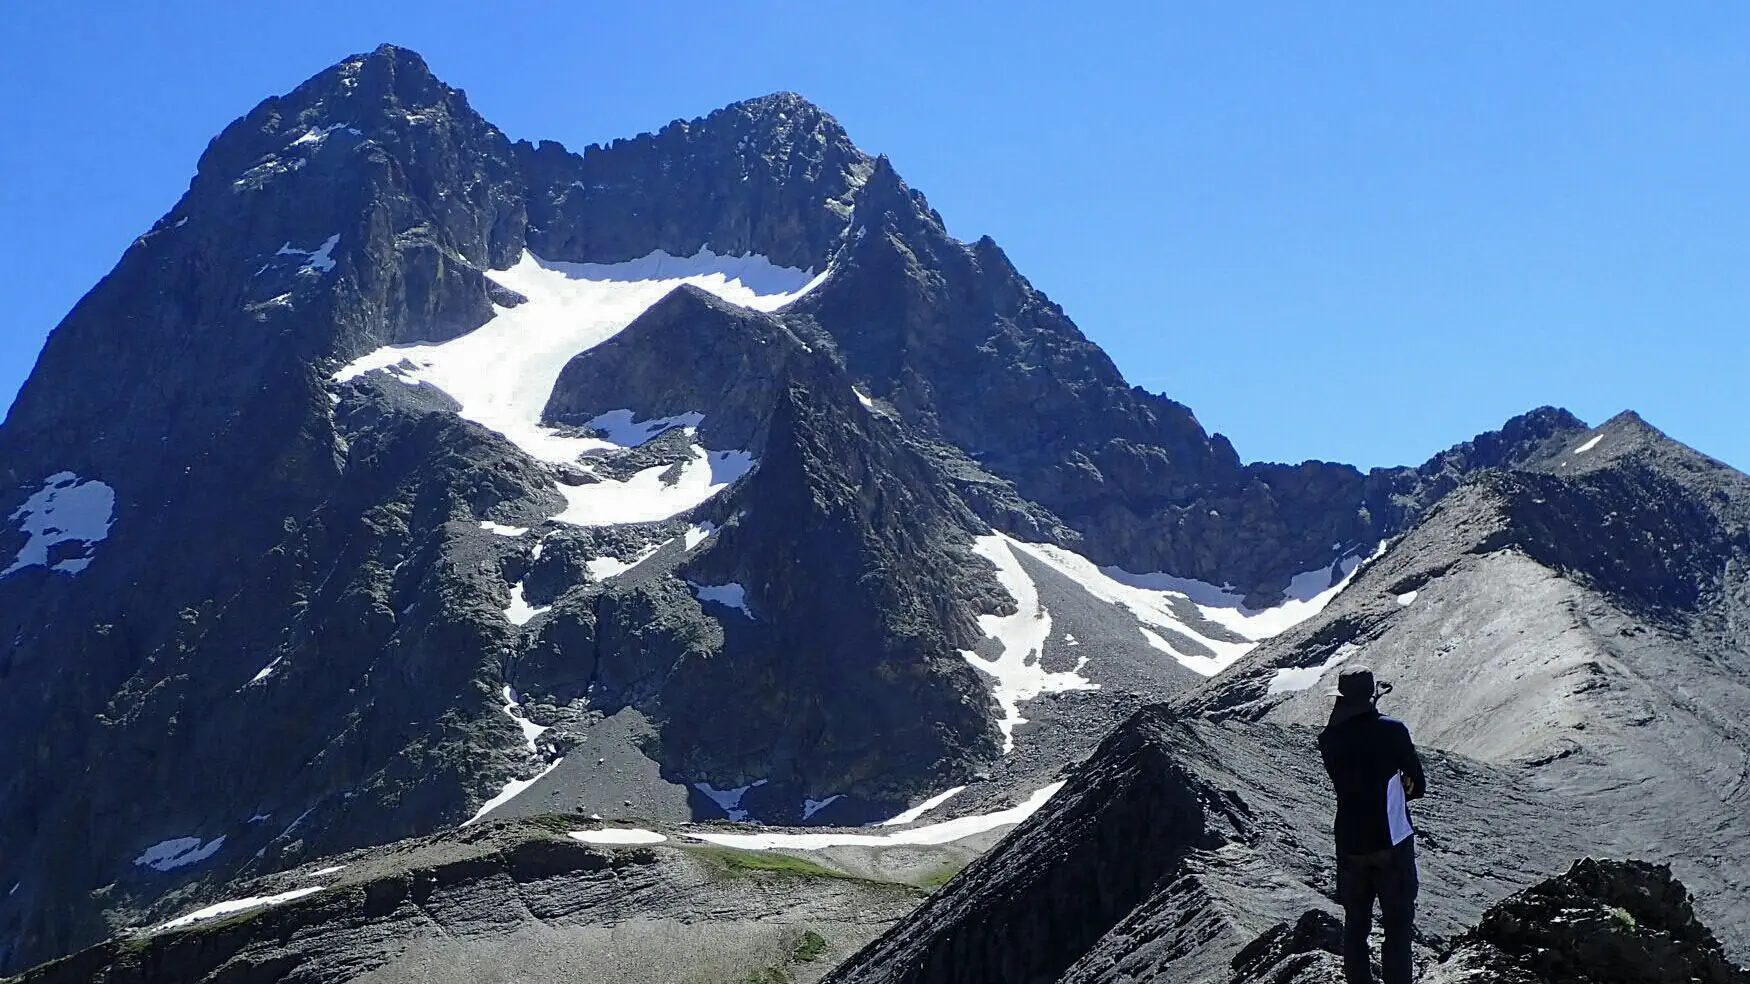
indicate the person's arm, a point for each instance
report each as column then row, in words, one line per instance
column 1409, row 763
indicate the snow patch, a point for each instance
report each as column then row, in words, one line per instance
column 935, row 833
column 697, row 534
column 1152, row 599
column 503, row 372
column 265, row 671
column 239, row 905
column 501, row 529
column 728, row 799
column 316, row 135
column 812, row 806
column 510, row 791
column 318, row 260
column 331, row 869
column 520, row 611
column 632, row 835
column 618, row 427
column 1589, row 445
column 922, row 808
column 178, row 852
column 531, row 730
column 602, row 568
column 647, row 496
column 1408, row 598
column 1296, row 678
column 731, row 595
column 863, row 398
column 67, row 509
column 1016, row 673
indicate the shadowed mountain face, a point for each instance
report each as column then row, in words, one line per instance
column 402, row 474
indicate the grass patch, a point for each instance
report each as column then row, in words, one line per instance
column 1623, row 917
column 941, row 876
column 809, row 950
column 739, row 862
column 771, row 975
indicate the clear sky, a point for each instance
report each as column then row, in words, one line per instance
column 1358, row 232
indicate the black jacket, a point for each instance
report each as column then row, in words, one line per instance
column 1363, row 749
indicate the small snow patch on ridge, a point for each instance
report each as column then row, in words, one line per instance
column 632, row 835
column 514, row 709
column 602, row 568
column 646, row 496
column 239, row 905
column 501, row 529
column 618, row 427
column 1408, row 598
column 66, row 509
column 177, row 852
column 731, row 595
column 319, row 872
column 1589, row 445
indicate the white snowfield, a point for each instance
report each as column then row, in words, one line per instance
column 1589, row 445
column 1297, row 678
column 645, row 497
column 731, row 595
column 922, row 808
column 238, row 905
column 67, row 509
column 178, row 852
column 1017, row 673
column 1153, row 597
column 510, row 791
column 934, row 833
column 513, row 709
column 503, row 372
column 602, row 568
column 617, row 835
column 728, row 799
column 520, row 611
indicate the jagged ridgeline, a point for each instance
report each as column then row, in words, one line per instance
column 408, row 499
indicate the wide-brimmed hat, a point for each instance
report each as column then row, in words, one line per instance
column 1358, row 683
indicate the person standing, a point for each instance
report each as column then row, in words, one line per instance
column 1375, row 771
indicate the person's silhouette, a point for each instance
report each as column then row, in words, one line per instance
column 1375, row 770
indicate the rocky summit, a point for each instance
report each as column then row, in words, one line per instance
column 432, row 557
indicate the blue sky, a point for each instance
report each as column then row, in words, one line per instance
column 1358, row 232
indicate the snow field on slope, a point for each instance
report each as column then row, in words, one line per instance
column 919, row 810
column 646, row 498
column 512, row 707
column 1152, row 599
column 178, row 852
column 503, row 372
column 933, row 833
column 238, row 905
column 65, row 510
column 511, row 790
column 1017, row 673
column 1293, row 679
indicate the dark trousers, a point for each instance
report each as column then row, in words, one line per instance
column 1390, row 877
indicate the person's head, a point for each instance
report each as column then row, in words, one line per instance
column 1357, row 684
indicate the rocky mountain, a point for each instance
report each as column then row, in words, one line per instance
column 444, row 495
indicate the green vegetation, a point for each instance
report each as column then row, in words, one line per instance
column 771, row 975
column 809, row 950
column 941, row 876
column 739, row 862
column 1623, row 917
